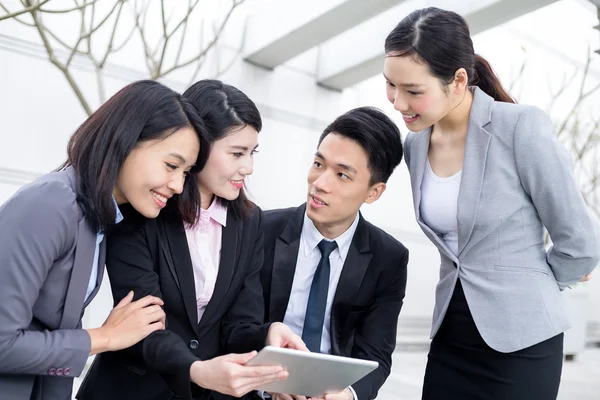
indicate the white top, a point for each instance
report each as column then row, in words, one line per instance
column 306, row 266
column 439, row 205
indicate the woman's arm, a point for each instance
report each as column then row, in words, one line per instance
column 37, row 226
column 546, row 174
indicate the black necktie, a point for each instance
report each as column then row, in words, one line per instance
column 317, row 300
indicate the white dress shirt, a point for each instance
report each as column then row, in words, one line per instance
column 309, row 256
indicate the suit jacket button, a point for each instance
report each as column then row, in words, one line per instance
column 59, row 371
column 52, row 371
column 194, row 344
column 67, row 371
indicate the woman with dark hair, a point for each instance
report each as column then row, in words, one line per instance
column 488, row 176
column 208, row 275
column 137, row 148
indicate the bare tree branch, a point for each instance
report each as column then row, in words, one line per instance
column 186, row 18
column 118, row 48
column 62, row 51
column 140, row 24
column 210, row 45
column 25, row 10
column 52, row 57
column 199, row 64
column 112, row 35
column 79, row 7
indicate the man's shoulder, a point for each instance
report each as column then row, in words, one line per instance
column 278, row 215
column 384, row 241
column 275, row 220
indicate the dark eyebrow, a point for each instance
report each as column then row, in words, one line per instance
column 243, row 148
column 179, row 157
column 345, row 167
column 404, row 84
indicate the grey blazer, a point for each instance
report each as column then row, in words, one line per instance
column 517, row 179
column 46, row 255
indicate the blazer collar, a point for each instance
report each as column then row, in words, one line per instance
column 181, row 268
column 286, row 256
column 231, row 240
column 476, row 148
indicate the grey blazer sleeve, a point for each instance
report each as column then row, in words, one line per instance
column 37, row 227
column 546, row 173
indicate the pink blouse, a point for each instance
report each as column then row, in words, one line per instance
column 204, row 242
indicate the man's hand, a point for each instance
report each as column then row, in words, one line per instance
column 283, row 396
column 229, row 375
column 344, row 395
column 280, row 335
column 586, row 278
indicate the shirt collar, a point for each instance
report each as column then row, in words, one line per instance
column 217, row 212
column 119, row 216
column 311, row 237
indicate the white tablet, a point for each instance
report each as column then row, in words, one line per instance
column 312, row 374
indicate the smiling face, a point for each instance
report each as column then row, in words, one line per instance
column 155, row 170
column 416, row 93
column 339, row 182
column 231, row 160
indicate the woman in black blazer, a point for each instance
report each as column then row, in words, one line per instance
column 207, row 275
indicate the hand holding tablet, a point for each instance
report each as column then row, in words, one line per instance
column 312, row 374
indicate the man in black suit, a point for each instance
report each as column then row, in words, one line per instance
column 331, row 276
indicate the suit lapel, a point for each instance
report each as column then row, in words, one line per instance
column 418, row 155
column 285, row 257
column 80, row 276
column 476, row 150
column 100, row 267
column 182, row 264
column 230, row 248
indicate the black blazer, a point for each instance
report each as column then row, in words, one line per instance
column 152, row 258
column 368, row 298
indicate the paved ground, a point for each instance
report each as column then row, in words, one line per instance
column 580, row 379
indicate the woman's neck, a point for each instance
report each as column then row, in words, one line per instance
column 456, row 121
column 206, row 198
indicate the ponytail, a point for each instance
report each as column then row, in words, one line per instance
column 485, row 78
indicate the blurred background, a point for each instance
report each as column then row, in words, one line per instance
column 303, row 62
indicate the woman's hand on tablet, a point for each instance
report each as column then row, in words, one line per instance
column 228, row 374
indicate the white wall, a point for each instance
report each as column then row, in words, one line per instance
column 38, row 112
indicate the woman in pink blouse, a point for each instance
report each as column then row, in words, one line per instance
column 207, row 275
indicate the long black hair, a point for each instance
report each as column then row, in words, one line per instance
column 441, row 40
column 142, row 111
column 225, row 109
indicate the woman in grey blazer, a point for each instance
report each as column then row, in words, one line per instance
column 137, row 148
column 487, row 177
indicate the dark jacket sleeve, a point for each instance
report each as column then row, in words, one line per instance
column 130, row 266
column 243, row 328
column 375, row 337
